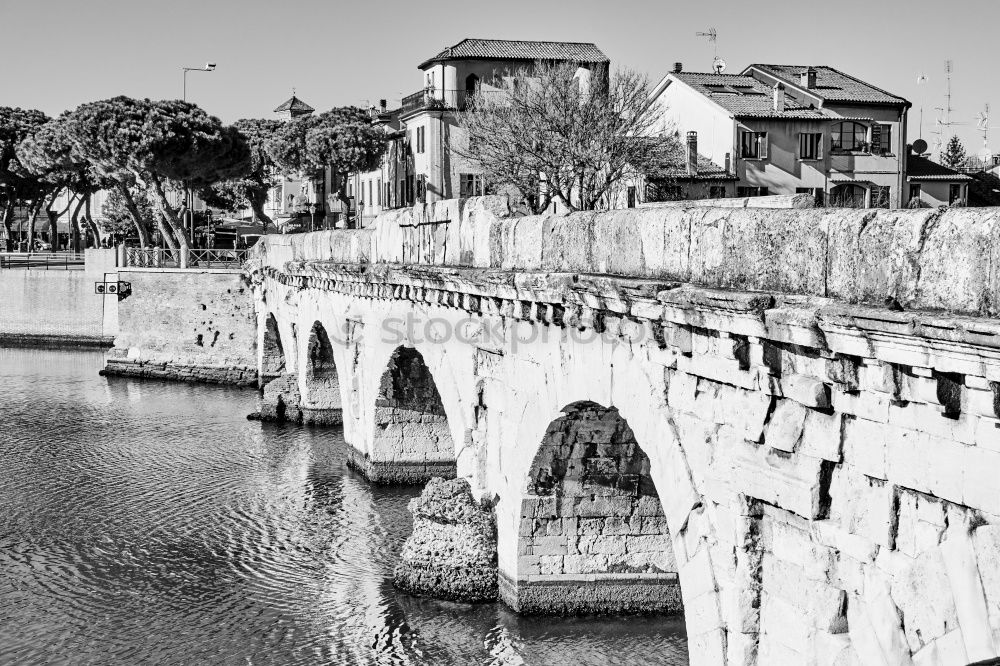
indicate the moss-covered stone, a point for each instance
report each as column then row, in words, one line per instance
column 452, row 552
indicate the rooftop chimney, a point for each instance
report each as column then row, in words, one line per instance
column 678, row 67
column 808, row 78
column 691, row 155
column 383, row 105
column 779, row 98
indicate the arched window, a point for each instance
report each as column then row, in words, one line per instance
column 849, row 137
column 471, row 84
column 471, row 90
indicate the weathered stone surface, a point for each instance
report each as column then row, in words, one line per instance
column 281, row 401
column 824, row 466
column 451, row 553
column 186, row 326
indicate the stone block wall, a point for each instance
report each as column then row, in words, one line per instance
column 412, row 442
column 59, row 306
column 591, row 521
column 187, row 325
column 929, row 258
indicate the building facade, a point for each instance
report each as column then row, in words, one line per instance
column 782, row 129
column 424, row 162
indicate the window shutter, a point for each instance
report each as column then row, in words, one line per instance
column 886, row 139
column 876, row 139
column 762, row 144
column 803, row 141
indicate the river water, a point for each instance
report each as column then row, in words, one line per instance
column 146, row 522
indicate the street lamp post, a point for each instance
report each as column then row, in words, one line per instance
column 312, row 215
column 188, row 195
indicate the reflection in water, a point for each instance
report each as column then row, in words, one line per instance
column 148, row 522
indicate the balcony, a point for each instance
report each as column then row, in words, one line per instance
column 438, row 100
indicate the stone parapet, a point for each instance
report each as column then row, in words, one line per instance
column 915, row 259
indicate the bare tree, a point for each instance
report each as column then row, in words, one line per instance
column 550, row 135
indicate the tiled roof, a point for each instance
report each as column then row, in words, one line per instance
column 502, row 49
column 832, row 85
column 673, row 164
column 745, row 96
column 921, row 168
column 294, row 104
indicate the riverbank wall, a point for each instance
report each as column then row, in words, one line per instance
column 195, row 325
column 59, row 308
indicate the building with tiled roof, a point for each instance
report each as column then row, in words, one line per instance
column 421, row 165
column 822, row 85
column 504, row 49
column 820, row 131
column 293, row 107
column 930, row 184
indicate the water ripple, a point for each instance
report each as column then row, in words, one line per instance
column 148, row 522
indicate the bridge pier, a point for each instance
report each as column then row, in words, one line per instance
column 592, row 537
column 320, row 385
column 411, row 441
column 814, row 473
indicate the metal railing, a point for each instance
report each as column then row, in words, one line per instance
column 61, row 261
column 431, row 98
column 154, row 257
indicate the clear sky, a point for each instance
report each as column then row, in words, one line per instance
column 58, row 54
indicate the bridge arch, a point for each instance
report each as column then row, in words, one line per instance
column 411, row 439
column 593, row 536
column 319, row 380
column 272, row 360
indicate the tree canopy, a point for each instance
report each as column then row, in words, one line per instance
column 342, row 139
column 156, row 143
column 953, row 155
column 252, row 189
column 549, row 135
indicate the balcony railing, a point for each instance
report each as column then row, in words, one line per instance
column 154, row 257
column 433, row 99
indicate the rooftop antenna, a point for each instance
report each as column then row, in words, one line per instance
column 944, row 112
column 713, row 37
column 921, row 80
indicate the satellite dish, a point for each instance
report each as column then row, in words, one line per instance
column 920, row 146
column 719, row 65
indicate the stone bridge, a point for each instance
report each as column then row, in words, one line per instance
column 782, row 423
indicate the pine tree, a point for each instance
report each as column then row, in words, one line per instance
column 953, row 155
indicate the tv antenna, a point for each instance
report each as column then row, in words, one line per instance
column 944, row 112
column 713, row 37
column 983, row 125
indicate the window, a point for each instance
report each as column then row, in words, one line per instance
column 470, row 185
column 717, row 192
column 630, row 196
column 882, row 139
column 915, row 191
column 849, row 137
column 810, row 146
column 880, row 196
column 370, row 201
column 753, row 145
column 378, row 188
column 954, row 193
column 848, row 195
column 420, row 139
column 744, row 191
column 422, row 188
